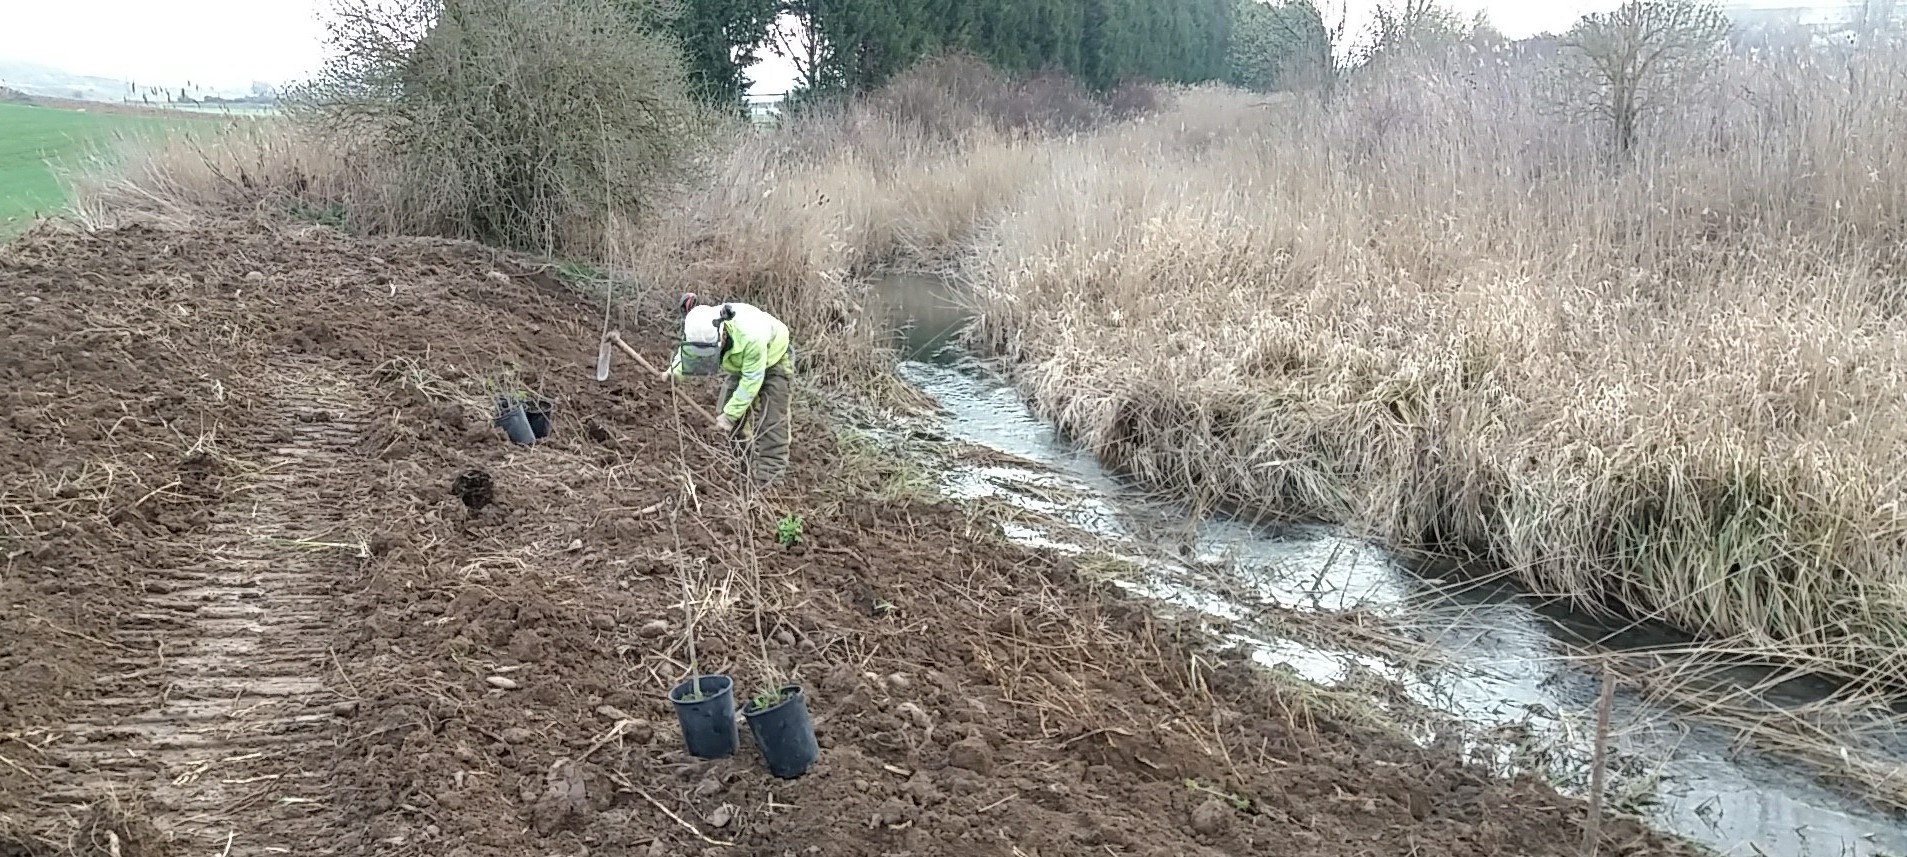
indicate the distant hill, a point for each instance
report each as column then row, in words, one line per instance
column 49, row 82
column 41, row 81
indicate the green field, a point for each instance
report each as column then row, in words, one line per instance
column 36, row 141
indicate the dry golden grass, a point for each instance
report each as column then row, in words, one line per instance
column 1435, row 313
column 269, row 166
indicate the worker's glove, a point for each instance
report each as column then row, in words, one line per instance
column 662, row 374
column 724, row 424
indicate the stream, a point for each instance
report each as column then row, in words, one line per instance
column 1502, row 664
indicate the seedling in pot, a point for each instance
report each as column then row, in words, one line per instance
column 696, row 693
column 766, row 699
column 514, row 405
column 515, row 422
column 705, row 709
column 704, row 704
column 778, row 720
column 538, row 412
column 505, row 383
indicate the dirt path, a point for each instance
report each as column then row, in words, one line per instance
column 245, row 644
column 236, row 639
column 249, row 610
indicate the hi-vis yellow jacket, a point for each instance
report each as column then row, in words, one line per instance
column 757, row 342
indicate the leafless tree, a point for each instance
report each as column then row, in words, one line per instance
column 1397, row 26
column 1875, row 16
column 1629, row 63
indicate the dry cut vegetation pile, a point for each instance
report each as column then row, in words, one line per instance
column 247, row 615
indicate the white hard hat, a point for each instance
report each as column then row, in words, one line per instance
column 702, row 325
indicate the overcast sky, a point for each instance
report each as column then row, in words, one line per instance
column 230, row 43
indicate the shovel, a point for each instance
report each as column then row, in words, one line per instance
column 613, row 340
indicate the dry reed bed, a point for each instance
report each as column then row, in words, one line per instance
column 1435, row 313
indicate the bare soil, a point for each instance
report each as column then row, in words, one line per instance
column 251, row 609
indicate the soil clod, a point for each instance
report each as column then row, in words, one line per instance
column 475, row 488
column 1211, row 817
column 973, row 754
column 565, row 802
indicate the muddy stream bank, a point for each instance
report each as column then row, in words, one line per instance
column 1499, row 662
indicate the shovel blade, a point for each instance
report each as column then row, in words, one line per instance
column 602, row 361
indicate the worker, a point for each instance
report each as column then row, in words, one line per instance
column 752, row 349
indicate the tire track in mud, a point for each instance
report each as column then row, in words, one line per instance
column 239, row 642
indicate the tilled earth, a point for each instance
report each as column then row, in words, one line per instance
column 246, row 613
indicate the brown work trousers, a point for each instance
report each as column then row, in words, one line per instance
column 764, row 432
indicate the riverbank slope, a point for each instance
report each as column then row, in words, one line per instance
column 254, row 611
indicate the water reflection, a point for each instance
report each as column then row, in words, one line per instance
column 1503, row 662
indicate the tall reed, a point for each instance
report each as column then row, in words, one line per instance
column 1436, row 312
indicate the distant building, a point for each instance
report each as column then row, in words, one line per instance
column 1788, row 25
column 1822, row 17
column 765, row 106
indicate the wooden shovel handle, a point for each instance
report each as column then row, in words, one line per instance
column 644, row 363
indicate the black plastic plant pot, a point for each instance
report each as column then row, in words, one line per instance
column 705, row 707
column 538, row 413
column 784, row 733
column 515, row 422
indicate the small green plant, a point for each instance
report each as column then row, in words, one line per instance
column 1238, row 802
column 332, row 215
column 577, row 272
column 788, row 531
column 766, row 699
column 506, row 382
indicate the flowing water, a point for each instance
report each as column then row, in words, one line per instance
column 1503, row 666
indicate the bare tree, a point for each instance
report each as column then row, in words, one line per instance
column 795, row 39
column 1874, row 16
column 1411, row 24
column 1636, row 60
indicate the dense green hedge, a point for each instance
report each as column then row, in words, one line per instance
column 1100, row 42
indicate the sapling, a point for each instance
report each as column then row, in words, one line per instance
column 772, row 683
column 688, row 632
column 506, row 382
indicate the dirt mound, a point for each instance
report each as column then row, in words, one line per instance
column 251, row 604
